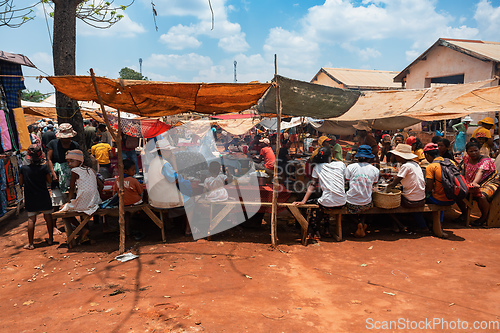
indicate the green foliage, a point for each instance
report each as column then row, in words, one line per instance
column 33, row 96
column 129, row 74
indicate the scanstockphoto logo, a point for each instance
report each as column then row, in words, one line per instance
column 431, row 324
column 183, row 168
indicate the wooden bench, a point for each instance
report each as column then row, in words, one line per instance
column 337, row 212
column 102, row 212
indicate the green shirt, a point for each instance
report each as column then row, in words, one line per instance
column 337, row 152
column 460, row 127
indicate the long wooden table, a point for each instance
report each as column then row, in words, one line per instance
column 146, row 208
column 337, row 212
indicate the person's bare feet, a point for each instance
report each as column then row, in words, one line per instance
column 57, row 232
column 49, row 241
column 29, row 247
column 360, row 232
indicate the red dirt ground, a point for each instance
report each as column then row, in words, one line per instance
column 237, row 283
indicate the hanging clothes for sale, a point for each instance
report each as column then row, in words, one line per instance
column 6, row 141
column 3, row 187
column 22, row 129
column 13, row 84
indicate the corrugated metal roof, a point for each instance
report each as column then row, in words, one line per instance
column 362, row 78
column 16, row 59
column 489, row 50
column 475, row 48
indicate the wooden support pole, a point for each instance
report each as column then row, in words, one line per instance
column 118, row 139
column 274, row 211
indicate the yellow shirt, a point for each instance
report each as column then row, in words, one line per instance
column 433, row 171
column 481, row 129
column 101, row 153
column 420, row 155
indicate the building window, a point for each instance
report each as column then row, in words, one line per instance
column 444, row 80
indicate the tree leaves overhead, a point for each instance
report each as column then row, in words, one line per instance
column 96, row 13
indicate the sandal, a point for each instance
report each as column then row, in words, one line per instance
column 29, row 247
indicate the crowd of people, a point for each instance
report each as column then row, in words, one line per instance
column 334, row 181
column 56, row 162
column 419, row 170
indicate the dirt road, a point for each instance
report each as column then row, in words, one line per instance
column 237, row 283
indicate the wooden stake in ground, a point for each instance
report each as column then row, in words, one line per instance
column 274, row 211
column 118, row 139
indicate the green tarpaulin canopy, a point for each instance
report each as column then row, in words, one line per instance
column 304, row 99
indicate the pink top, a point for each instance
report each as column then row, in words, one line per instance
column 484, row 163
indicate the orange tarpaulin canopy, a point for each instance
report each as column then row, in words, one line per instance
column 151, row 98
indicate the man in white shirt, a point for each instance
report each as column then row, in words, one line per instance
column 361, row 177
column 330, row 176
column 412, row 179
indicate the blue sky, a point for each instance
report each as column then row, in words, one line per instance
column 305, row 35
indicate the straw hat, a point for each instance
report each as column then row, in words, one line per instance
column 403, row 151
column 487, row 121
column 467, row 118
column 65, row 131
column 362, row 125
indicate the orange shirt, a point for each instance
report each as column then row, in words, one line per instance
column 433, row 171
column 132, row 190
column 268, row 154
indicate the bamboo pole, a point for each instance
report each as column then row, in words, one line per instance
column 274, row 211
column 118, row 139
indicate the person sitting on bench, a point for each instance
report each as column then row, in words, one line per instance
column 87, row 198
column 331, row 181
column 433, row 176
column 410, row 175
column 361, row 177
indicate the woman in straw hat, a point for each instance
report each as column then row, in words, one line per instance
column 411, row 177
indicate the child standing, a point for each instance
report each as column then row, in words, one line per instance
column 35, row 178
column 87, row 199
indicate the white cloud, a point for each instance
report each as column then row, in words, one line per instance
column 124, row 28
column 488, row 20
column 291, row 48
column 186, row 62
column 42, row 60
column 337, row 22
column 179, row 38
column 364, row 54
column 229, row 34
column 234, row 43
column 214, row 74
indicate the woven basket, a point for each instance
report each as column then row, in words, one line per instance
column 387, row 200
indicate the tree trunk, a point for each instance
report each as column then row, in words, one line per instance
column 64, row 51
